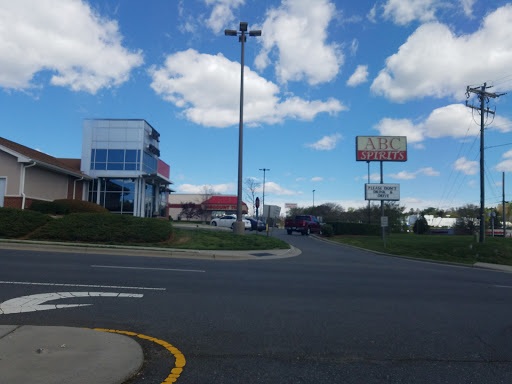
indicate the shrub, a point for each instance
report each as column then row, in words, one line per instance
column 81, row 206
column 49, row 207
column 356, row 229
column 17, row 223
column 421, row 226
column 327, row 230
column 105, row 228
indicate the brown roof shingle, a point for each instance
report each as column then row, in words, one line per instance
column 70, row 165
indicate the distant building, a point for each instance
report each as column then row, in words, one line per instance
column 122, row 158
column 28, row 175
column 437, row 222
column 212, row 205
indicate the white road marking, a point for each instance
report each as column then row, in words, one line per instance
column 81, row 285
column 151, row 269
column 34, row 303
column 503, row 286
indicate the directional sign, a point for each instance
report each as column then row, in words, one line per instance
column 34, row 303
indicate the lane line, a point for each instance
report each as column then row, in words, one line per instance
column 179, row 362
column 151, row 269
column 503, row 286
column 81, row 285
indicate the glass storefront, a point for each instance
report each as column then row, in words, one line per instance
column 117, row 195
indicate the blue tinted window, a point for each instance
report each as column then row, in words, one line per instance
column 115, row 166
column 100, row 166
column 93, row 152
column 101, row 155
column 116, row 155
column 130, row 167
column 131, row 156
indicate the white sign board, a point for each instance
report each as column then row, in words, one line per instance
column 271, row 211
column 382, row 192
column 384, row 221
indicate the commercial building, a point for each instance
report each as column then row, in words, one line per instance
column 27, row 175
column 119, row 169
column 208, row 206
column 122, row 158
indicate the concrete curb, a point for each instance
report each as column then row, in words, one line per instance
column 478, row 265
column 47, row 246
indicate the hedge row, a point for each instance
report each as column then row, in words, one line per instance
column 105, row 228
column 17, row 223
column 355, row 229
column 66, row 206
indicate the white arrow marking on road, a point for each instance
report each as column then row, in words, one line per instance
column 34, row 303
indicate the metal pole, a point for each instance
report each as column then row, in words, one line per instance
column 314, row 198
column 369, row 207
column 503, row 206
column 382, row 204
column 482, row 178
column 240, row 229
column 264, row 172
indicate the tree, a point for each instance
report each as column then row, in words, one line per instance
column 251, row 185
column 421, row 226
column 206, row 193
column 191, row 210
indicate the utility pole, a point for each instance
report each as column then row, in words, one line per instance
column 264, row 171
column 484, row 97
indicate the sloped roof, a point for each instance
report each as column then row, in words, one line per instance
column 69, row 166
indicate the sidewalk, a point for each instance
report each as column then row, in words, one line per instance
column 63, row 355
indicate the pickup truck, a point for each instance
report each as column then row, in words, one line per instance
column 304, row 224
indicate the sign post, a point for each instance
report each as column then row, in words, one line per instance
column 381, row 148
column 257, row 204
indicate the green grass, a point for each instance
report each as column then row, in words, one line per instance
column 218, row 240
column 459, row 249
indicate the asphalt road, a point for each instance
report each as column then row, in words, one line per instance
column 331, row 315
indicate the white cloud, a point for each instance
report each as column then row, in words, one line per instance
column 466, row 166
column 354, row 47
column 359, row 76
column 404, row 175
column 372, row 15
column 505, row 165
column 300, row 179
column 402, row 12
column 373, row 177
column 296, row 33
column 400, row 127
column 192, row 82
column 454, row 120
column 436, row 62
column 80, row 48
column 467, row 6
column 317, row 178
column 222, row 14
column 326, row 143
column 218, row 188
column 276, row 189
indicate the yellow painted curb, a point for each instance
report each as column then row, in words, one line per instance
column 179, row 362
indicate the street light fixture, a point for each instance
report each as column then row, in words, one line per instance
column 242, row 37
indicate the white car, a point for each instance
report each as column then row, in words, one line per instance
column 228, row 221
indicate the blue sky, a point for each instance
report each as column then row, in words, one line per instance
column 322, row 73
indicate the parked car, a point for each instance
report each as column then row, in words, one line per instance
column 305, row 224
column 228, row 221
column 257, row 225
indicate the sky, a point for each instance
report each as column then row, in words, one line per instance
column 321, row 73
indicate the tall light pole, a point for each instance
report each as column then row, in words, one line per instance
column 264, row 170
column 239, row 225
column 314, row 198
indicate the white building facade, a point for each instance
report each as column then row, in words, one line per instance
column 122, row 157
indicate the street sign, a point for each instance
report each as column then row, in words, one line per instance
column 257, row 202
column 384, row 221
column 382, row 192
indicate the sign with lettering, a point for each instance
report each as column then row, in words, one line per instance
column 382, row 192
column 381, row 148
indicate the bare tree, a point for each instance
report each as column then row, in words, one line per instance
column 251, row 185
column 206, row 193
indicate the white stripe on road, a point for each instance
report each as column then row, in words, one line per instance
column 503, row 286
column 151, row 269
column 80, row 285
